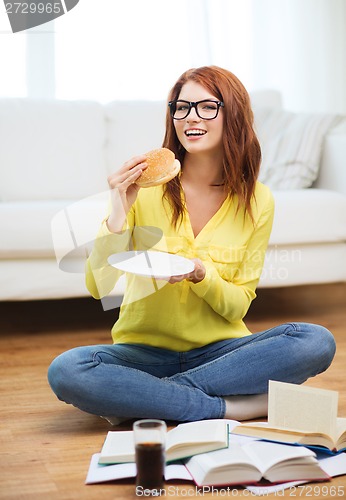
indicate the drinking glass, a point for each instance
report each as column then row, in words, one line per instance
column 150, row 437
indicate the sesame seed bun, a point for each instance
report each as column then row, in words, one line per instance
column 162, row 167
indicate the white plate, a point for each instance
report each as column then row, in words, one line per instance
column 151, row 264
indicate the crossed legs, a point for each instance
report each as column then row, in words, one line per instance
column 227, row 379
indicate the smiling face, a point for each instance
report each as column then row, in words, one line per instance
column 195, row 134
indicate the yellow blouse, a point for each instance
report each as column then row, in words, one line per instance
column 184, row 316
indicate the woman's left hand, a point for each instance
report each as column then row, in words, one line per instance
column 195, row 276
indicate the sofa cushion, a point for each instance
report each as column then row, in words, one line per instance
column 41, row 229
column 308, row 216
column 31, row 279
column 291, row 146
column 51, row 149
column 27, row 228
column 304, row 264
column 58, row 228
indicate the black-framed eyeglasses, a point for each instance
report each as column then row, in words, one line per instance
column 207, row 109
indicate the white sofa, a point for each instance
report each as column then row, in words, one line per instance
column 54, row 160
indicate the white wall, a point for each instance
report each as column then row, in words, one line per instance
column 300, row 48
column 137, row 49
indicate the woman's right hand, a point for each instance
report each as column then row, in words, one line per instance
column 124, row 191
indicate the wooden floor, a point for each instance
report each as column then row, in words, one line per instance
column 46, row 445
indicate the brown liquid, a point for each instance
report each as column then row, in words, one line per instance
column 150, row 461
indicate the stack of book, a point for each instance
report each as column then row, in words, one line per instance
column 225, row 452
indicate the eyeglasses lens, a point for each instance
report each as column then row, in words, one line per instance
column 207, row 110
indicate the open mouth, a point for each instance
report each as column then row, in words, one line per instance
column 195, row 132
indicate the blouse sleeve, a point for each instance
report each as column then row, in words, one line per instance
column 232, row 299
column 100, row 276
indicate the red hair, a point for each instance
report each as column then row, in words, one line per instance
column 241, row 149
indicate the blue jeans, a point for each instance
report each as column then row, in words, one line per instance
column 139, row 381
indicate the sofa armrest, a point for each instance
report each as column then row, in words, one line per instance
column 332, row 174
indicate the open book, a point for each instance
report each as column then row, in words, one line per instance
column 334, row 465
column 256, row 460
column 300, row 415
column 182, row 441
column 246, row 460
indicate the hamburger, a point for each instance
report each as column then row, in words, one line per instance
column 162, row 167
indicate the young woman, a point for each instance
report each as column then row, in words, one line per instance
column 181, row 351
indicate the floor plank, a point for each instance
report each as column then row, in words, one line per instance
column 46, row 445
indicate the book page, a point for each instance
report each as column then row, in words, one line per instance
column 177, row 471
column 101, row 473
column 265, row 455
column 301, row 408
column 235, row 455
column 119, row 444
column 198, row 432
column 333, row 466
column 340, row 429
